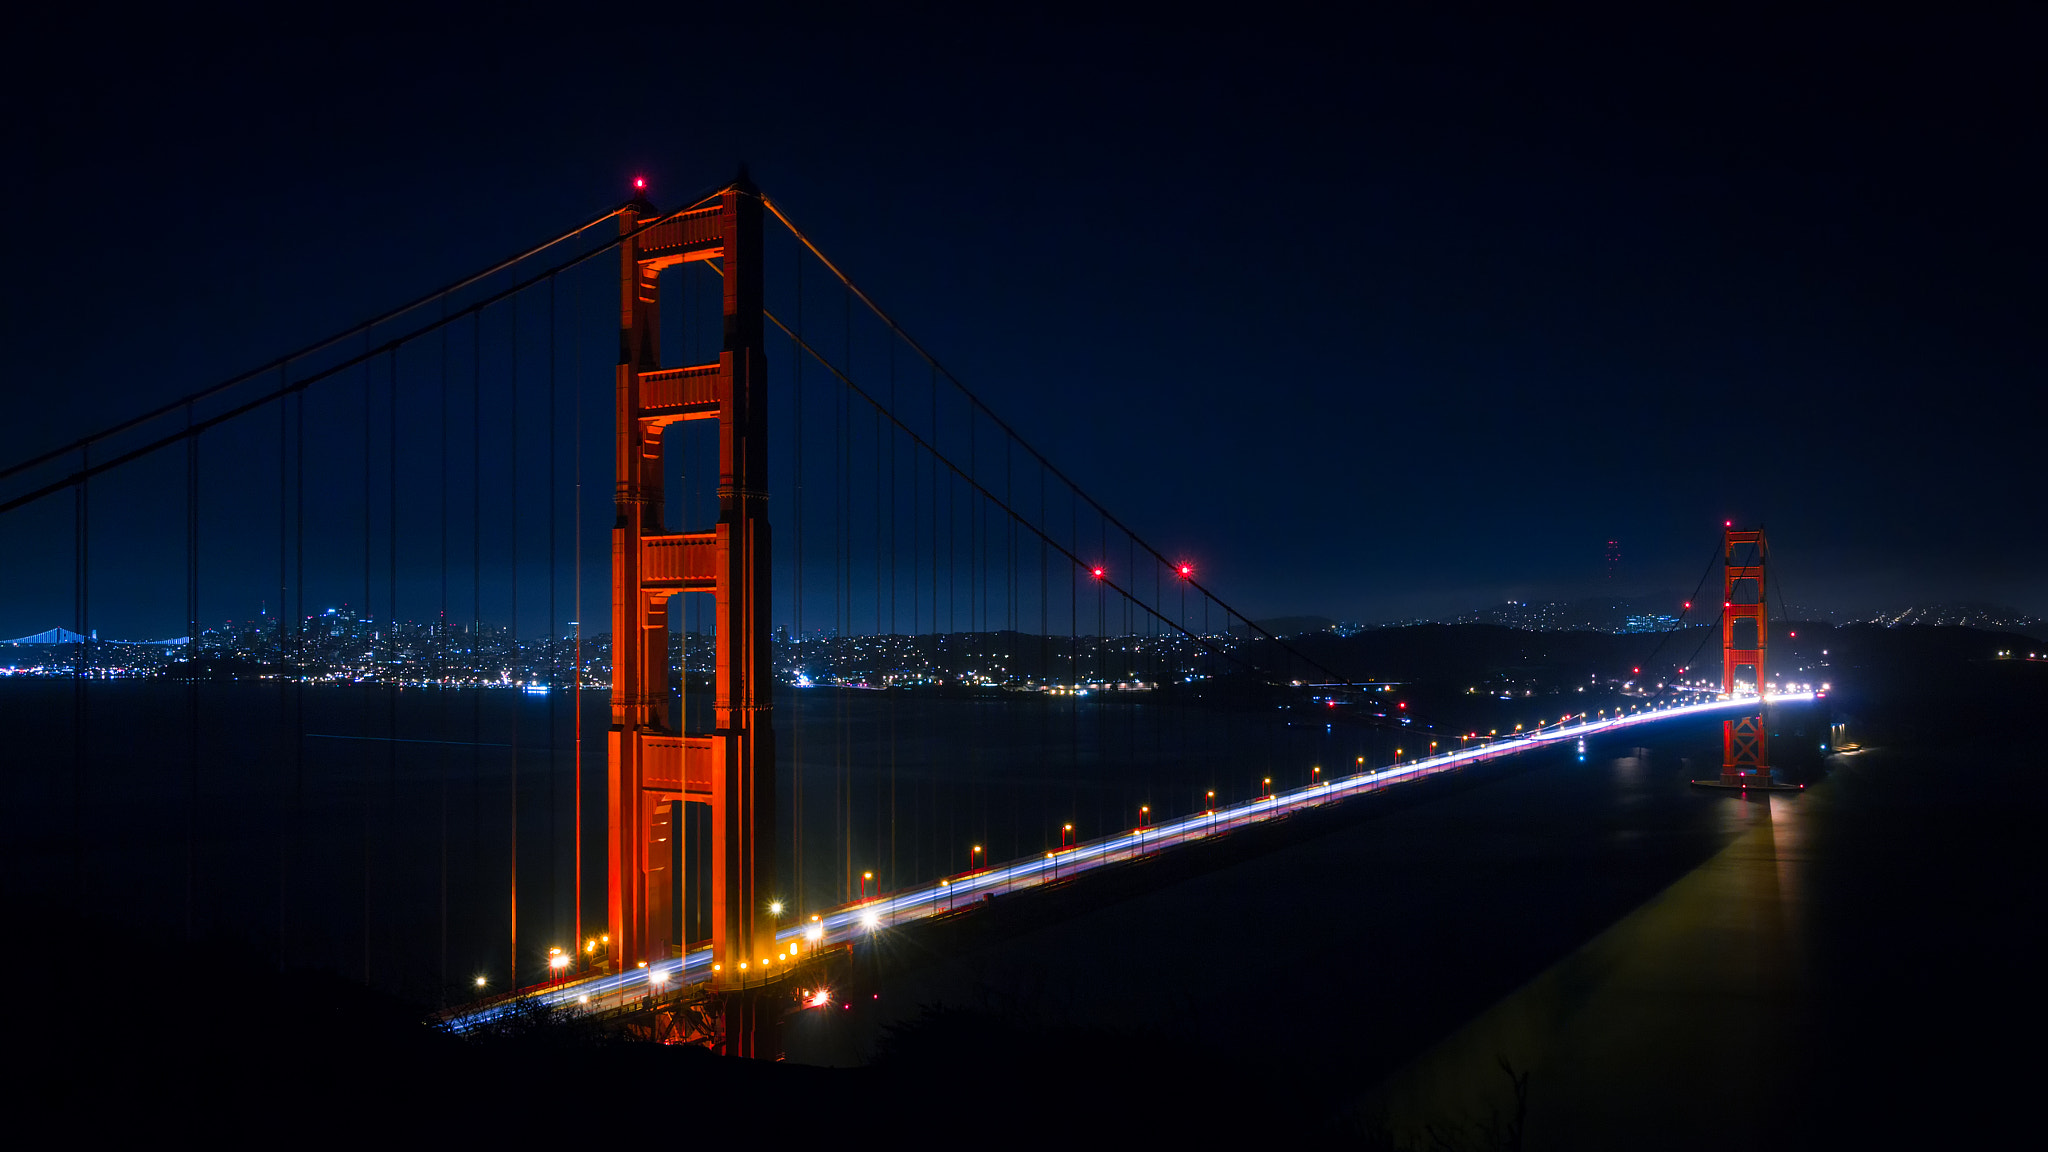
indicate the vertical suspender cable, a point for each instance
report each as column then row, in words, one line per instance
column 363, row 617
column 1044, row 656
column 391, row 669
column 977, row 625
column 1009, row 641
column 576, row 656
column 441, row 671
column 877, row 844
column 796, row 722
column 191, row 671
column 843, row 600
column 283, row 686
column 476, row 581
column 554, row 635
column 298, row 620
column 81, row 528
column 910, row 648
column 512, row 772
column 841, row 852
column 891, row 650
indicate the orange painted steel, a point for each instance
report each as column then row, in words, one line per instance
column 655, row 769
column 1745, row 748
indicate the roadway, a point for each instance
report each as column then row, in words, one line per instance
column 850, row 923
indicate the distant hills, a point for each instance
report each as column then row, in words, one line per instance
column 1625, row 615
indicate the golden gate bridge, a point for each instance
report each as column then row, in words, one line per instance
column 415, row 465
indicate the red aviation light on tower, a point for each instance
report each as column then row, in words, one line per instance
column 639, row 183
column 1096, row 572
column 1186, row 570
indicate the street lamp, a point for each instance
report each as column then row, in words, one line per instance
column 864, row 878
column 1066, row 831
column 971, row 854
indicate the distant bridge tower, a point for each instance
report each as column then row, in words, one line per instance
column 1613, row 559
column 1745, row 638
column 655, row 768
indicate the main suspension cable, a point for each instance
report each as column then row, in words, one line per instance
column 976, row 401
column 317, row 345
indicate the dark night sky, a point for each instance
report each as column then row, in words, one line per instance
column 1373, row 319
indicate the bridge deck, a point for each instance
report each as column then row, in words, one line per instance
column 848, row 923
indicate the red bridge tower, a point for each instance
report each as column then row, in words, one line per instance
column 655, row 768
column 1745, row 638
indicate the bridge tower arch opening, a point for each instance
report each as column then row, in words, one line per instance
column 656, row 768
